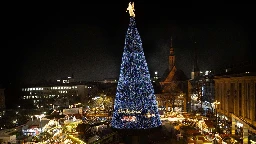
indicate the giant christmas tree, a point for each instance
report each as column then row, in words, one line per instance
column 135, row 104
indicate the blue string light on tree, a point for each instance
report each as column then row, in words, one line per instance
column 135, row 104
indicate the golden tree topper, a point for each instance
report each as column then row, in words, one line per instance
column 131, row 9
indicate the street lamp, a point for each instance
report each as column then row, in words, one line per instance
column 215, row 104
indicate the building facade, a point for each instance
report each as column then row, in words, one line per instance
column 57, row 96
column 173, row 88
column 200, row 88
column 201, row 92
column 237, row 97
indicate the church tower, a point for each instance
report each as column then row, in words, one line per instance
column 171, row 57
column 195, row 71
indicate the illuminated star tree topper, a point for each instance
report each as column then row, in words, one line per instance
column 131, row 9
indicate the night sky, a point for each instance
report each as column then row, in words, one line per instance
column 49, row 40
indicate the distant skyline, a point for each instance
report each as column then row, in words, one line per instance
column 53, row 40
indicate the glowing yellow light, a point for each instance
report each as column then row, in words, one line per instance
column 131, row 9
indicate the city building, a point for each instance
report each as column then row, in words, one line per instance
column 58, row 95
column 195, row 71
column 173, row 94
column 200, row 88
column 201, row 92
column 235, row 90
